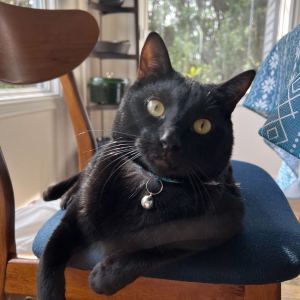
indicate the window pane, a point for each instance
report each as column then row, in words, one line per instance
column 210, row 40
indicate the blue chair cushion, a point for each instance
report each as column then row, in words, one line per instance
column 266, row 251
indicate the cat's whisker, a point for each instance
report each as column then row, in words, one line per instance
column 109, row 153
column 116, row 151
column 193, row 186
column 95, row 149
column 125, row 153
column 112, row 146
column 211, row 204
column 135, row 154
column 112, row 143
column 198, row 189
column 103, row 130
column 201, row 187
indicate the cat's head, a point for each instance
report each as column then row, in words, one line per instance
column 178, row 125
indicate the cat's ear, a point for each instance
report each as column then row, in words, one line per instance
column 236, row 87
column 154, row 61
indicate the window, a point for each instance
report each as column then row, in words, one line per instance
column 12, row 91
column 211, row 40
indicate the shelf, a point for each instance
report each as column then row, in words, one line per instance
column 110, row 55
column 95, row 106
column 107, row 9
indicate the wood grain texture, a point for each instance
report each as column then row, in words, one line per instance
column 39, row 45
column 263, row 292
column 21, row 275
column 7, row 224
column 84, row 136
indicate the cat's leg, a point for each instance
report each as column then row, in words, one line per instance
column 65, row 239
column 57, row 190
column 115, row 272
column 179, row 238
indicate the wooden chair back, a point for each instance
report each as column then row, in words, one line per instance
column 39, row 45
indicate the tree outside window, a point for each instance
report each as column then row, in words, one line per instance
column 211, row 40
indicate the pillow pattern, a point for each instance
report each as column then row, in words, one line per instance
column 275, row 94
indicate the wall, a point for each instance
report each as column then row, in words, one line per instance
column 33, row 141
column 249, row 146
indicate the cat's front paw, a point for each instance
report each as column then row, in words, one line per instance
column 109, row 276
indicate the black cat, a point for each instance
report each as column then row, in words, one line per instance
column 161, row 189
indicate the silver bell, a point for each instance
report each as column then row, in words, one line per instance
column 147, row 202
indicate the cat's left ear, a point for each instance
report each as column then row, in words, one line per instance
column 236, row 87
column 154, row 61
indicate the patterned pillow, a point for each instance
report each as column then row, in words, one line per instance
column 275, row 94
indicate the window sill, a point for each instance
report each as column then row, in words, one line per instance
column 21, row 106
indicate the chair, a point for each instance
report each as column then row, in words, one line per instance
column 244, row 268
column 31, row 53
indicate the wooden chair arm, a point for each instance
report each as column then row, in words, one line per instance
column 21, row 279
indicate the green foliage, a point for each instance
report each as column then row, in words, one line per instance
column 210, row 40
column 193, row 72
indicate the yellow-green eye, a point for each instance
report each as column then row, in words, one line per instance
column 202, row 126
column 155, row 108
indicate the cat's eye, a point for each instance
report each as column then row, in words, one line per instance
column 202, row 126
column 155, row 108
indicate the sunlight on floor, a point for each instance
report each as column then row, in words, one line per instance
column 290, row 290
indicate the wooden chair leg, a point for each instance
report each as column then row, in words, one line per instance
column 263, row 292
column 2, row 275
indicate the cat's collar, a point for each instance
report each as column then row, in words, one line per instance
column 172, row 180
column 147, row 200
column 157, row 177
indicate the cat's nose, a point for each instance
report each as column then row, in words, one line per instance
column 170, row 142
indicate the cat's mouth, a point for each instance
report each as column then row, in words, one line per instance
column 159, row 162
column 162, row 165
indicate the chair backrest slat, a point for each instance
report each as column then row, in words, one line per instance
column 84, row 135
column 39, row 45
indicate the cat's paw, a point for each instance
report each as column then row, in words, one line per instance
column 109, row 277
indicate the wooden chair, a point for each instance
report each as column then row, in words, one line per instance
column 38, row 45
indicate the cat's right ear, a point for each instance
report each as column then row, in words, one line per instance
column 235, row 88
column 154, row 61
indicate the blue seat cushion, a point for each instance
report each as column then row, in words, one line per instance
column 266, row 251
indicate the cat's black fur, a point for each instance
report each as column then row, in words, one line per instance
column 195, row 214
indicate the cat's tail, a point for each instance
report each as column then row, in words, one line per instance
column 63, row 189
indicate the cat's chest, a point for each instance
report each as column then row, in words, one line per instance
column 122, row 209
column 143, row 201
